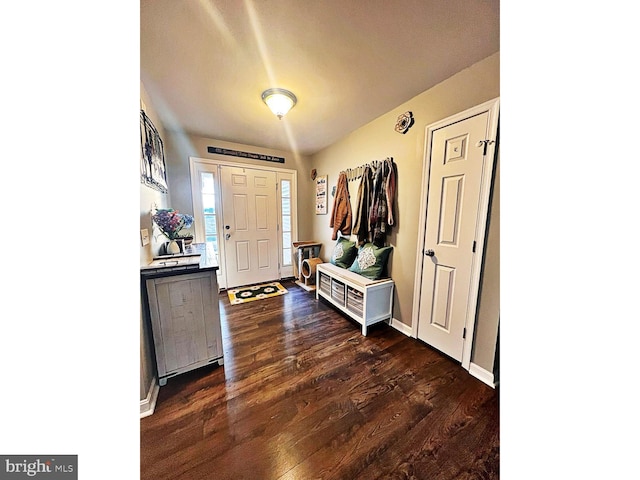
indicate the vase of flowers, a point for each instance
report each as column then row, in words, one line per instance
column 172, row 247
column 171, row 222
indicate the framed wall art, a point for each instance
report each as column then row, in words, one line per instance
column 153, row 171
column 321, row 195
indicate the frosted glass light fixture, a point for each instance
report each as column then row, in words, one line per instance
column 279, row 100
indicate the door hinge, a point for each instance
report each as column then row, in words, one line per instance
column 464, row 333
column 474, row 247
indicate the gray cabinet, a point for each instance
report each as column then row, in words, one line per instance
column 185, row 320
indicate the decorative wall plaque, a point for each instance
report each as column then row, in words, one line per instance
column 321, row 195
column 404, row 122
column 238, row 153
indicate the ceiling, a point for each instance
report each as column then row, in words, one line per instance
column 205, row 63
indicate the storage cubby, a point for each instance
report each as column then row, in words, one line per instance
column 366, row 301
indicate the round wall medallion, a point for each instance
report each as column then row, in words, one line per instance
column 404, row 122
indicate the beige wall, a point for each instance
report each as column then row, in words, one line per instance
column 148, row 198
column 378, row 140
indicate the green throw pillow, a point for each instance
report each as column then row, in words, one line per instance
column 371, row 261
column 343, row 253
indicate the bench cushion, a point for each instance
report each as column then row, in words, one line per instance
column 371, row 261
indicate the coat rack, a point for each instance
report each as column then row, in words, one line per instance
column 374, row 214
column 357, row 172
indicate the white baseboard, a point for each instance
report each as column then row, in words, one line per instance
column 148, row 405
column 482, row 374
column 401, row 327
column 475, row 370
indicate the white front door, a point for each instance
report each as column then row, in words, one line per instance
column 250, row 225
column 459, row 162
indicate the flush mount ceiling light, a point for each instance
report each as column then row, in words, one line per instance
column 279, row 100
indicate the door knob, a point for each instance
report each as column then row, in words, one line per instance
column 227, row 236
column 429, row 253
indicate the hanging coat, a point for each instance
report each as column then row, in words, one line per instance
column 390, row 189
column 361, row 218
column 341, row 213
column 378, row 212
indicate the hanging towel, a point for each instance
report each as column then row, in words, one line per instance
column 341, row 213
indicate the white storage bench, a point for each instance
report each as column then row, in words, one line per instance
column 366, row 301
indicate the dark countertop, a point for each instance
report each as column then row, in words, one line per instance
column 197, row 257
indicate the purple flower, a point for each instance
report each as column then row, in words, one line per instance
column 170, row 222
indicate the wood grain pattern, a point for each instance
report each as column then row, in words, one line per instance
column 303, row 395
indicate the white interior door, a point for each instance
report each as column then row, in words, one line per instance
column 459, row 158
column 250, row 225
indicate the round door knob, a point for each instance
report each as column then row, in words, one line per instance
column 429, row 253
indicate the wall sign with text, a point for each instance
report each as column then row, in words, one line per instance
column 238, row 153
column 321, row 195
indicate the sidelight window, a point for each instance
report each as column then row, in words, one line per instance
column 285, row 198
column 208, row 193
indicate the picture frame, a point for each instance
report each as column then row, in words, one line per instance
column 321, row 195
column 153, row 170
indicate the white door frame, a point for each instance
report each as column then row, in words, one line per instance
column 493, row 108
column 223, row 161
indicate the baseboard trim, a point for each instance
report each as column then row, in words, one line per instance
column 148, row 405
column 475, row 370
column 401, row 327
column 482, row 374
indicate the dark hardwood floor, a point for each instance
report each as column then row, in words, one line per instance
column 303, row 395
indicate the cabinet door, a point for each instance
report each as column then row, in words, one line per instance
column 186, row 320
column 211, row 309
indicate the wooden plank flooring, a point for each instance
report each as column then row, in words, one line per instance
column 303, row 395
